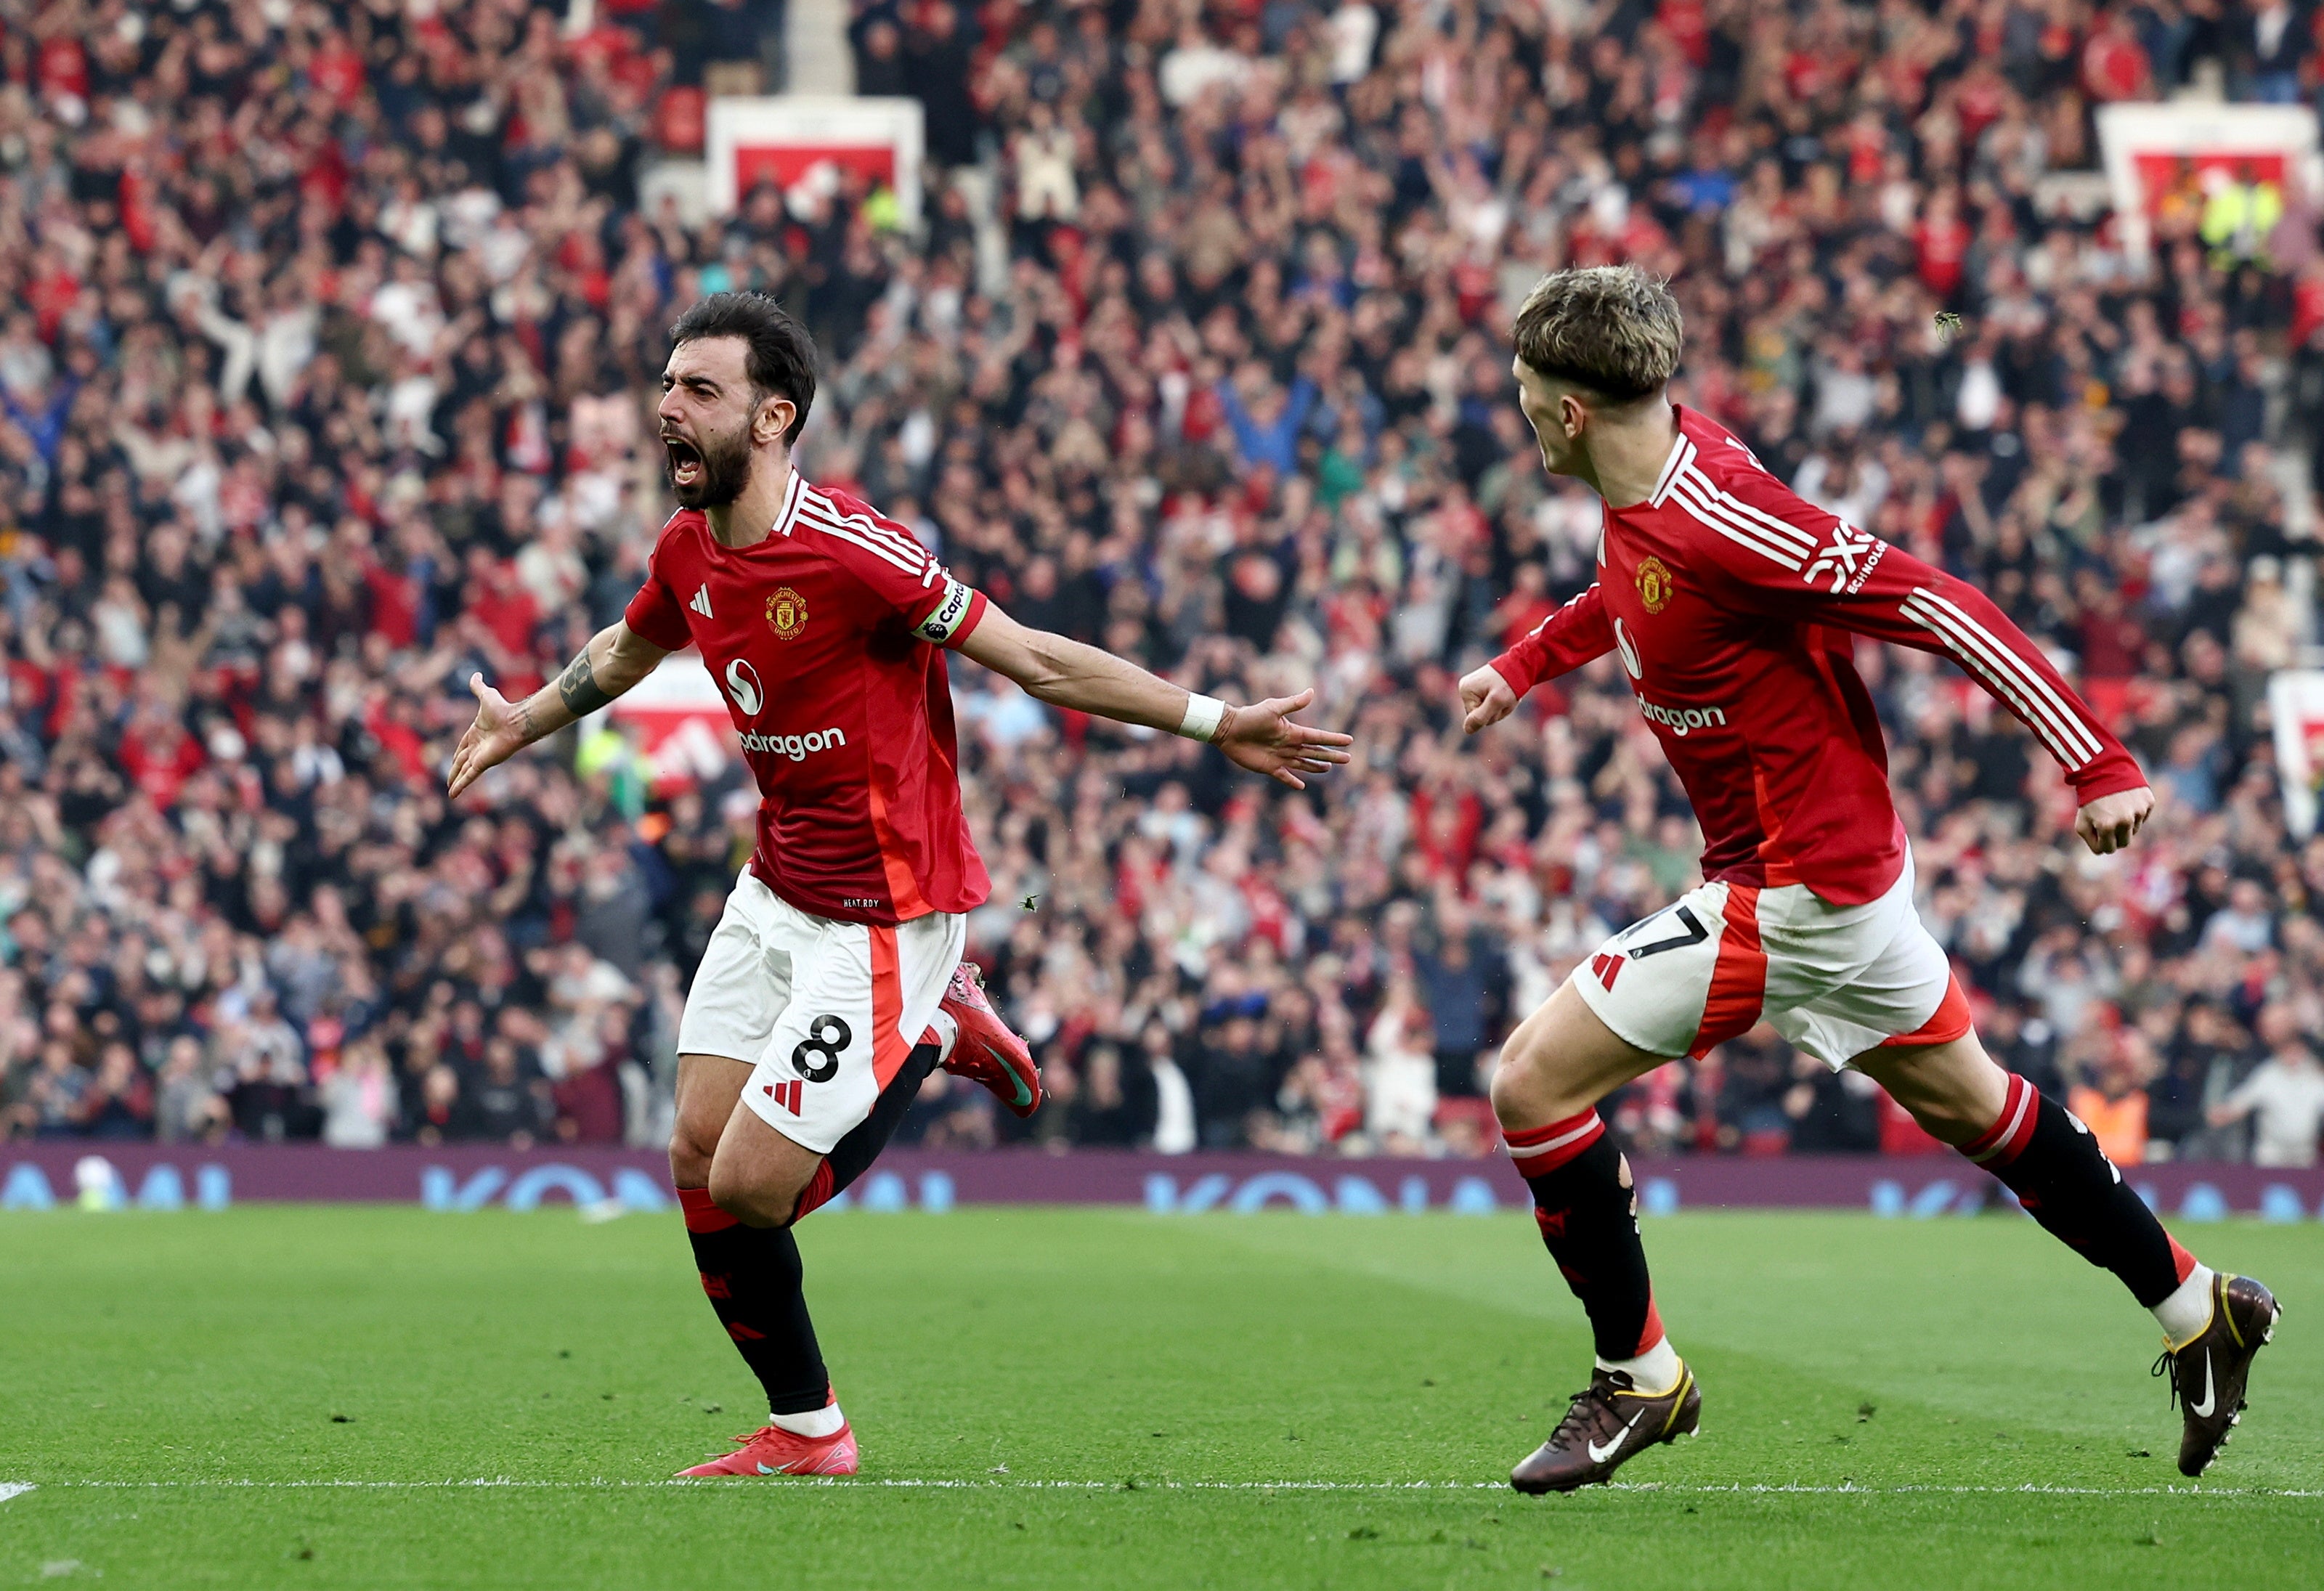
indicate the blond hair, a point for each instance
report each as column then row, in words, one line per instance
column 1611, row 328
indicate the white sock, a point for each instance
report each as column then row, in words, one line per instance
column 1653, row 1373
column 2188, row 1310
column 947, row 1031
column 815, row 1422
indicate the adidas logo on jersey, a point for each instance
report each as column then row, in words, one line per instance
column 701, row 602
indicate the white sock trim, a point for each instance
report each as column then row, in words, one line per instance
column 1653, row 1373
column 947, row 1035
column 825, row 1421
column 2186, row 1312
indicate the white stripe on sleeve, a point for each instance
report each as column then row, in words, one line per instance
column 809, row 515
column 2060, row 729
column 2076, row 732
column 1692, row 492
column 905, row 544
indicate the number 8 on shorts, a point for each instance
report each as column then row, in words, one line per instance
column 825, row 1011
column 816, row 1056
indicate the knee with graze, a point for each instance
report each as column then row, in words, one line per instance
column 688, row 1169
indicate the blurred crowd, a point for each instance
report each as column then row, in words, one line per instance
column 327, row 348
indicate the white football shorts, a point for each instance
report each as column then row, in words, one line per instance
column 1835, row 980
column 823, row 1011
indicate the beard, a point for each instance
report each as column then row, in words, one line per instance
column 720, row 469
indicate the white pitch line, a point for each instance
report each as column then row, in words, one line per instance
column 13, row 1489
column 873, row 1484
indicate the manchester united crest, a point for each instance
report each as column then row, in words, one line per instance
column 787, row 612
column 1654, row 585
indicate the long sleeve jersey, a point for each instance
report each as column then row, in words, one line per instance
column 1732, row 601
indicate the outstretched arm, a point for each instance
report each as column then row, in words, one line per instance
column 615, row 658
column 1802, row 562
column 2240, row 1102
column 1910, row 602
column 1261, row 737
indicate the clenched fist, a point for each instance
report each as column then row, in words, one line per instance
column 2108, row 824
column 1485, row 698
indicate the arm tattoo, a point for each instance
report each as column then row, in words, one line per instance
column 578, row 686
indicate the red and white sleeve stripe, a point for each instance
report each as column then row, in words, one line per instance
column 1754, row 529
column 1810, row 565
column 1565, row 641
column 2009, row 677
column 886, row 542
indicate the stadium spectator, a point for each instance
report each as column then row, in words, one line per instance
column 2113, row 1104
column 2283, row 1098
column 359, row 1099
column 326, row 383
column 1401, row 1073
column 186, row 1105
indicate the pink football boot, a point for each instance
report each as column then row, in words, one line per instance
column 986, row 1051
column 772, row 1450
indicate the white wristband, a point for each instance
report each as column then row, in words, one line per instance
column 1203, row 714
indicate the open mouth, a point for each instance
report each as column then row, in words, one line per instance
column 685, row 462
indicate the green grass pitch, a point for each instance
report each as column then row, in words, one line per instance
column 305, row 1397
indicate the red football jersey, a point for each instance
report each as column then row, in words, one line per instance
column 826, row 638
column 1730, row 598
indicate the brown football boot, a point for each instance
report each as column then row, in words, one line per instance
column 1608, row 1425
column 2207, row 1374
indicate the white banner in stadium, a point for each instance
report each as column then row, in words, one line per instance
column 682, row 721
column 785, row 137
column 2295, row 700
column 2159, row 154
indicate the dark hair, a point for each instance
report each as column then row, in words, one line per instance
column 1611, row 328
column 780, row 357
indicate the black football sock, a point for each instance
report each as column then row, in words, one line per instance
column 2066, row 1182
column 852, row 1156
column 751, row 1277
column 752, row 1274
column 1588, row 1216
